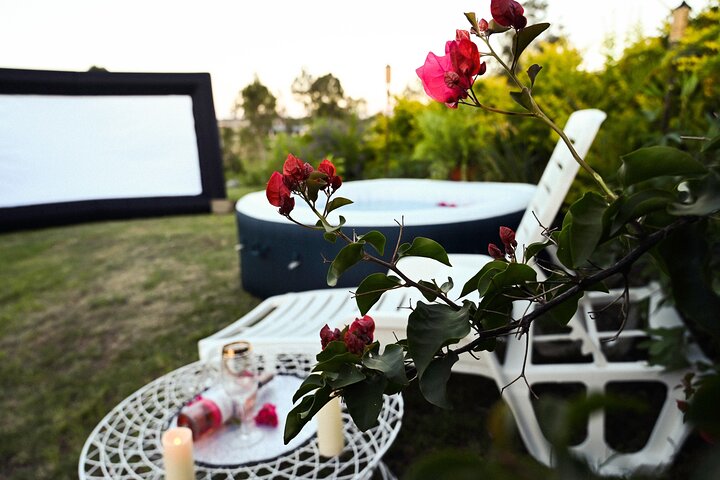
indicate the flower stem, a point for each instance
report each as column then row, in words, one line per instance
column 536, row 111
column 609, row 194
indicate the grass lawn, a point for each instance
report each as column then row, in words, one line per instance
column 90, row 313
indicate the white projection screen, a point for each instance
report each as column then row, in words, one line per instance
column 96, row 145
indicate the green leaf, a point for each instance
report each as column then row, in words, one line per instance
column 431, row 327
column 686, row 255
column 376, row 239
column 703, row 412
column 424, row 247
column 304, row 411
column 364, row 401
column 667, row 347
column 514, row 274
column 348, row 375
column 391, row 363
column 640, row 204
column 495, row 309
column 535, row 248
column 582, row 230
column 315, row 182
column 562, row 313
column 346, row 258
column 472, row 18
column 334, row 357
column 657, row 161
column 523, row 38
column 433, row 383
column 494, row 27
column 712, row 144
column 447, row 286
column 338, row 202
column 312, row 382
column 329, row 228
column 489, row 269
column 523, row 99
column 371, row 289
column 532, row 72
column 429, row 296
column 330, row 237
column 332, row 349
column 705, row 196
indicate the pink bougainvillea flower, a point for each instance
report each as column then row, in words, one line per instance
column 295, row 171
column 267, row 416
column 278, row 194
column 439, row 80
column 334, row 180
column 508, row 13
column 327, row 335
column 447, row 79
column 495, row 252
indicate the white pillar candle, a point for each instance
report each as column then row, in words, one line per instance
column 178, row 454
column 330, row 429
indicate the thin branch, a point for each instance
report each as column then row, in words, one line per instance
column 401, row 225
column 624, row 311
column 584, row 283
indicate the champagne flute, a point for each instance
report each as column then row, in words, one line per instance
column 238, row 375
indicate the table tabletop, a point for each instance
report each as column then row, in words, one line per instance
column 126, row 444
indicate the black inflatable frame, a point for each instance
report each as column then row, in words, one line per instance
column 196, row 85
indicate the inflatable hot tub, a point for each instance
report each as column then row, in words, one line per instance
column 277, row 256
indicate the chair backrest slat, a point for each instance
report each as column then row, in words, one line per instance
column 581, row 128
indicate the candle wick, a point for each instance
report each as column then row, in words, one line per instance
column 177, row 441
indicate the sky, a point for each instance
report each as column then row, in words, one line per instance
column 236, row 40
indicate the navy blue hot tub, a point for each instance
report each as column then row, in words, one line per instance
column 277, row 256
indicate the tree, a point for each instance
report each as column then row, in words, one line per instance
column 245, row 147
column 322, row 96
column 258, row 107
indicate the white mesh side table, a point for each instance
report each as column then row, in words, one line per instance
column 126, row 444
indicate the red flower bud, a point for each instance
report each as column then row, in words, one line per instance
column 334, row 181
column 495, row 252
column 327, row 336
column 288, row 203
column 483, row 25
column 507, row 235
column 508, row 13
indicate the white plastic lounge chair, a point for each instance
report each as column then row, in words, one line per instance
column 587, row 358
column 301, row 315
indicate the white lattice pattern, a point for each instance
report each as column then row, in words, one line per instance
column 126, row 444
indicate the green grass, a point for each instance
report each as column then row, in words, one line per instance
column 90, row 313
